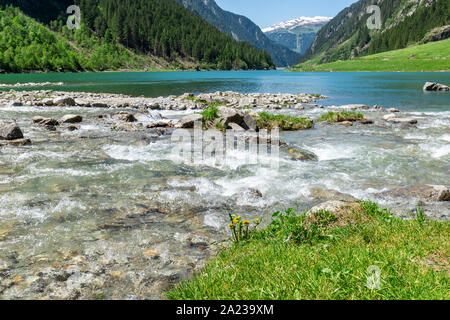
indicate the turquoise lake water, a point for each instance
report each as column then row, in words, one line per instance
column 387, row 89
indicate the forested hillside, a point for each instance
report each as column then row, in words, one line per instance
column 404, row 22
column 26, row 45
column 118, row 34
column 242, row 29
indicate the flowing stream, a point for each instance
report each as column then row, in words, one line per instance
column 97, row 213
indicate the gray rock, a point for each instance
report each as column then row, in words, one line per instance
column 235, row 127
column 64, row 101
column 229, row 115
column 99, row 105
column 425, row 192
column 45, row 121
column 402, row 120
column 11, row 132
column 16, row 142
column 47, row 102
column 302, row 154
column 327, row 194
column 127, row 117
column 188, row 121
column 71, row 118
column 433, row 86
column 15, row 104
column 250, row 122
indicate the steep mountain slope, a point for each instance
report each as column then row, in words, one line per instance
column 156, row 30
column 297, row 34
column 26, row 45
column 404, row 22
column 241, row 29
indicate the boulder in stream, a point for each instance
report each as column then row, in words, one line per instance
column 10, row 132
column 71, row 118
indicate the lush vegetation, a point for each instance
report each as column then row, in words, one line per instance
column 117, row 34
column 432, row 56
column 340, row 116
column 26, row 45
column 270, row 121
column 347, row 35
column 330, row 256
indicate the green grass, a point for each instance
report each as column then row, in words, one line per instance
column 329, row 256
column 270, row 121
column 434, row 56
column 340, row 116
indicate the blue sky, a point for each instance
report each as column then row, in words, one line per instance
column 268, row 12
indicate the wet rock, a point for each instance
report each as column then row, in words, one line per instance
column 327, row 194
column 127, row 117
column 15, row 103
column 255, row 192
column 403, row 120
column 48, row 102
column 11, row 132
column 71, row 118
column 16, row 142
column 387, row 117
column 250, row 122
column 99, row 105
column 72, row 128
column 45, row 121
column 230, row 115
column 125, row 127
column 235, row 127
column 346, row 123
column 188, row 121
column 433, row 86
column 366, row 121
column 392, row 110
column 82, row 103
column 64, row 101
column 302, row 154
column 161, row 124
column 425, row 192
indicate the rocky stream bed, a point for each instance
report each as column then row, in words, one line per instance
column 94, row 204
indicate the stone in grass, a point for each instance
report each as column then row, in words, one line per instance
column 71, row 118
column 11, row 132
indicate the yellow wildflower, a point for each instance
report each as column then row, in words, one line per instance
column 246, row 222
column 235, row 221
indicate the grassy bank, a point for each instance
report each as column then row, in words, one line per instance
column 330, row 256
column 434, row 56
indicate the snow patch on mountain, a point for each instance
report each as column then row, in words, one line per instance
column 299, row 22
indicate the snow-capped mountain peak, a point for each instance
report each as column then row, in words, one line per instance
column 302, row 21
